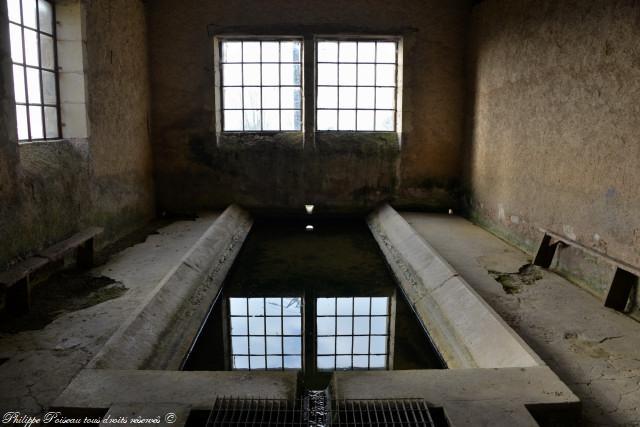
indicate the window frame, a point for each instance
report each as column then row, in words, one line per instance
column 219, row 83
column 398, row 40
column 55, row 71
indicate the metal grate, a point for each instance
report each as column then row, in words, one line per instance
column 315, row 410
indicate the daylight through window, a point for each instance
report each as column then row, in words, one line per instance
column 261, row 85
column 33, row 53
column 356, row 85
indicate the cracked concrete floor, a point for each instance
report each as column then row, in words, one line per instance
column 594, row 350
column 39, row 364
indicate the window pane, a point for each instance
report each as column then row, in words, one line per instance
column 251, row 51
column 23, row 125
column 274, row 362
column 326, row 345
column 325, row 362
column 347, row 97
column 327, row 51
column 360, row 362
column 240, row 345
column 343, row 362
column 273, row 306
column 256, row 306
column 325, row 306
column 292, row 326
column 386, row 52
column 33, row 86
column 270, row 97
column 365, row 120
column 345, row 325
column 239, row 326
column 252, row 120
column 29, row 13
column 49, row 87
column 366, row 51
column 46, row 52
column 257, row 362
column 361, row 306
column 365, row 98
column 326, row 326
column 270, row 74
column 366, row 74
column 378, row 345
column 348, row 51
column 45, row 11
column 327, row 97
column 361, row 325
column 377, row 362
column 292, row 362
column 347, row 74
column 270, row 52
column 51, row 122
column 379, row 305
column 347, row 120
column 290, row 97
column 240, row 362
column 385, row 75
column 232, row 75
column 251, row 97
column 290, row 51
column 270, row 119
column 14, row 10
column 232, row 97
column 292, row 345
column 233, row 120
column 360, row 345
column 290, row 74
column 231, row 51
column 327, row 120
column 256, row 325
column 345, row 306
column 343, row 345
column 16, row 43
column 274, row 325
column 327, row 74
column 379, row 325
column 291, row 120
column 251, row 73
column 35, row 122
column 384, row 120
column 238, row 306
column 274, row 345
column 292, row 306
column 18, row 83
column 256, row 345
column 31, row 47
column 385, row 97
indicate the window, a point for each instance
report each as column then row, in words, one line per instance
column 261, row 85
column 352, row 333
column 266, row 333
column 33, row 53
column 356, row 85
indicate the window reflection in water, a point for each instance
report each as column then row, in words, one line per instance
column 352, row 333
column 266, row 333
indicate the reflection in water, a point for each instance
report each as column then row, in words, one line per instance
column 266, row 333
column 352, row 333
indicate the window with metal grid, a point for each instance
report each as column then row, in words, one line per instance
column 352, row 333
column 35, row 76
column 261, row 85
column 266, row 333
column 356, row 85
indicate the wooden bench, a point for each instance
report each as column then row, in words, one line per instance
column 16, row 281
column 625, row 277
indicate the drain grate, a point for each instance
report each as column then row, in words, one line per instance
column 316, row 411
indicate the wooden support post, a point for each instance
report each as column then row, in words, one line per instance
column 85, row 254
column 546, row 252
column 620, row 290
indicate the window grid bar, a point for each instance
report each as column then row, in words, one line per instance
column 44, row 125
column 24, row 60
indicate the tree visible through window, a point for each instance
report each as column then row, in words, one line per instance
column 33, row 53
column 261, row 85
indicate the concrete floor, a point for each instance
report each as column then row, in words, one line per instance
column 42, row 362
column 594, row 350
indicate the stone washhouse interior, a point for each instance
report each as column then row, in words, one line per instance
column 320, row 213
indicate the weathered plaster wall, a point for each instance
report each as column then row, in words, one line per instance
column 347, row 174
column 555, row 126
column 49, row 190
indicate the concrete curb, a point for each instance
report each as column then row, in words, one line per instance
column 466, row 331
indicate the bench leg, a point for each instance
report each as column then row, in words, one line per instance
column 19, row 297
column 545, row 253
column 620, row 290
column 85, row 254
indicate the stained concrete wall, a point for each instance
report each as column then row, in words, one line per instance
column 49, row 190
column 351, row 173
column 554, row 129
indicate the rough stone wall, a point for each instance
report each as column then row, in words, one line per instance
column 554, row 129
column 49, row 190
column 341, row 174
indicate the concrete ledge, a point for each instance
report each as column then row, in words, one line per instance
column 465, row 330
column 496, row 397
column 160, row 332
column 97, row 388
